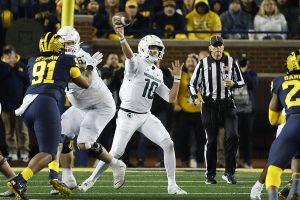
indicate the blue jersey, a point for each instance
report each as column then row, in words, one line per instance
column 287, row 89
column 50, row 75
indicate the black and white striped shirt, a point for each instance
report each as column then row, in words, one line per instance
column 209, row 75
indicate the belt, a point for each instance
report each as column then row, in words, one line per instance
column 215, row 101
column 130, row 111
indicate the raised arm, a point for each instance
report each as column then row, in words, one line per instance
column 119, row 29
column 176, row 73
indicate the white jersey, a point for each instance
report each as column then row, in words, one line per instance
column 142, row 78
column 84, row 98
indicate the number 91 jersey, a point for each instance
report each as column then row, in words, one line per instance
column 50, row 75
column 142, row 79
column 287, row 89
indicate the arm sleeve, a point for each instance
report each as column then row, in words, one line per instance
column 195, row 80
column 131, row 67
column 164, row 92
column 237, row 75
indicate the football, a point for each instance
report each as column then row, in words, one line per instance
column 121, row 18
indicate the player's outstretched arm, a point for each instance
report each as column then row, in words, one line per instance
column 119, row 29
column 176, row 73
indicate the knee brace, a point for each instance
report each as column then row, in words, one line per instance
column 273, row 176
column 2, row 161
column 95, row 149
column 67, row 144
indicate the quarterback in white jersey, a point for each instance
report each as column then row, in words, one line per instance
column 142, row 79
column 90, row 112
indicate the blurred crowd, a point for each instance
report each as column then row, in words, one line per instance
column 179, row 19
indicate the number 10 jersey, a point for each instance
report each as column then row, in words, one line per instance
column 142, row 79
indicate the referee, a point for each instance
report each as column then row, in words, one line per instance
column 215, row 76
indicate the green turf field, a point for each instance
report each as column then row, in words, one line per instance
column 150, row 184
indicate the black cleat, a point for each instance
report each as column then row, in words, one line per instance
column 229, row 178
column 210, row 180
column 17, row 185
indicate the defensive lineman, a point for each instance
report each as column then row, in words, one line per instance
column 143, row 78
column 91, row 110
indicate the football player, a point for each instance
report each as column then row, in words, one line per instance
column 91, row 111
column 143, row 78
column 49, row 74
column 285, row 94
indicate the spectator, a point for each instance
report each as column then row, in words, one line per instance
column 102, row 18
column 250, row 7
column 145, row 8
column 42, row 11
column 202, row 19
column 270, row 19
column 13, row 85
column 188, row 6
column 283, row 7
column 235, row 22
column 189, row 118
column 107, row 71
column 140, row 25
column 5, row 22
column 218, row 6
column 294, row 20
column 245, row 105
column 169, row 24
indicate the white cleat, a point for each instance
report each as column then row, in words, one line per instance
column 7, row 193
column 70, row 181
column 87, row 184
column 176, row 190
column 119, row 174
column 255, row 193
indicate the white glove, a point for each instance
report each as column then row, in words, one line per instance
column 95, row 59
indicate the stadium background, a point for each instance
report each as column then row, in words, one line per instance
column 266, row 57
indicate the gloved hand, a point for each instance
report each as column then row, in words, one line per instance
column 95, row 59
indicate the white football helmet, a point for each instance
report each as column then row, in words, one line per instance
column 71, row 37
column 146, row 42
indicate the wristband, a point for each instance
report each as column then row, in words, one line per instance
column 177, row 77
column 176, row 81
column 89, row 67
column 122, row 39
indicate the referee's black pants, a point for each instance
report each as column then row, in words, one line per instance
column 214, row 116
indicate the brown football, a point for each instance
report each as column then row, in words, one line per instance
column 121, row 18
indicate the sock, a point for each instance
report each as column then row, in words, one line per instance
column 273, row 196
column 170, row 161
column 113, row 162
column 67, row 172
column 295, row 188
column 54, row 165
column 53, row 170
column 101, row 167
column 258, row 185
column 27, row 173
